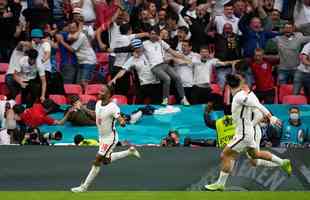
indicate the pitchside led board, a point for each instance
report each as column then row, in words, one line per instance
column 183, row 169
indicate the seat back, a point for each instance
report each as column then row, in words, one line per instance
column 59, row 99
column 294, row 99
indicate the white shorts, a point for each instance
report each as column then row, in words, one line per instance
column 107, row 143
column 257, row 136
column 243, row 139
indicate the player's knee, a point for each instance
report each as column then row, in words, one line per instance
column 252, row 154
column 106, row 161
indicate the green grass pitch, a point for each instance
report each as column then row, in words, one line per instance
column 155, row 195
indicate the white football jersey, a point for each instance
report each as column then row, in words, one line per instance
column 106, row 117
column 245, row 106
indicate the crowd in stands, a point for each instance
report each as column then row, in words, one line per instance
column 154, row 51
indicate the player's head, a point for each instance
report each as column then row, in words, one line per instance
column 106, row 92
column 233, row 81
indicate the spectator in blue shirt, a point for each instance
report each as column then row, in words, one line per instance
column 254, row 34
column 294, row 132
column 68, row 62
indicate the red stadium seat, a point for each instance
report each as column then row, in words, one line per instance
column 120, row 99
column 102, row 58
column 84, row 98
column 172, row 100
column 3, row 88
column 2, row 78
column 59, row 99
column 284, row 90
column 4, row 68
column 18, row 99
column 93, row 89
column 2, row 97
column 294, row 99
column 216, row 88
column 73, row 89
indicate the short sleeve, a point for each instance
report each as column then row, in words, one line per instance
column 41, row 70
column 132, row 36
column 306, row 49
column 116, row 112
column 77, row 44
column 165, row 45
column 129, row 63
column 46, row 47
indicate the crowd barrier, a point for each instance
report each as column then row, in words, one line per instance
column 182, row 169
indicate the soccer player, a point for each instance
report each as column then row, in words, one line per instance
column 106, row 113
column 244, row 104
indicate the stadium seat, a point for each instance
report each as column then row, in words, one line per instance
column 120, row 99
column 73, row 89
column 102, row 58
column 59, row 99
column 4, row 68
column 3, row 88
column 216, row 88
column 93, row 89
column 2, row 97
column 18, row 99
column 85, row 98
column 172, row 100
column 294, row 99
column 284, row 90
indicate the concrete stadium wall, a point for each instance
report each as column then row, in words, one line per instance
column 60, row 168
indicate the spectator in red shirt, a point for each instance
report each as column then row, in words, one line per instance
column 36, row 116
column 262, row 71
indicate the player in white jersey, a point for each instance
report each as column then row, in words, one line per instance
column 107, row 113
column 243, row 105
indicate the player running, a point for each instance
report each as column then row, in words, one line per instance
column 106, row 113
column 244, row 104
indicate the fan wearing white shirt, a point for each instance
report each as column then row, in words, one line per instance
column 123, row 40
column 203, row 68
column 25, row 74
column 227, row 17
column 185, row 70
column 149, row 85
column 155, row 50
column 107, row 113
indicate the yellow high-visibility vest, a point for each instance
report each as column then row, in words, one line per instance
column 225, row 132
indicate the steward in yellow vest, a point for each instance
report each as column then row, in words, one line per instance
column 225, row 128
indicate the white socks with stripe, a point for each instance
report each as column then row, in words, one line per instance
column 91, row 176
column 119, row 155
column 223, row 178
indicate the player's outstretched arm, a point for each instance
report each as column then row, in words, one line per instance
column 254, row 102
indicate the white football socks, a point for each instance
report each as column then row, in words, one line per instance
column 266, row 163
column 91, row 176
column 223, row 178
column 119, row 155
column 277, row 160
